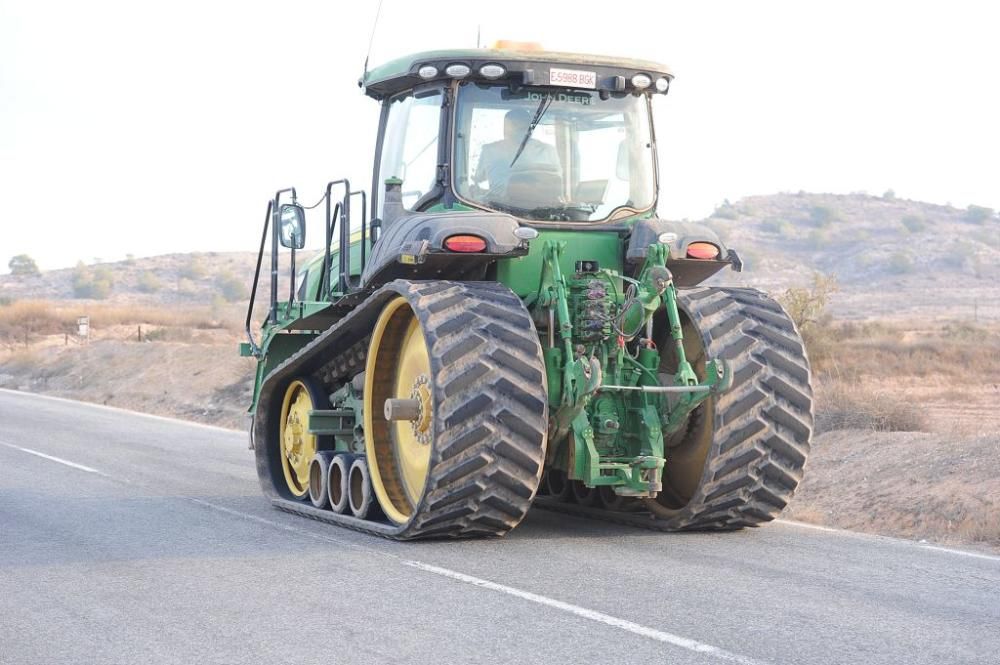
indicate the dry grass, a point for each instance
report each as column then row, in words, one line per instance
column 40, row 317
column 981, row 527
column 885, row 377
column 848, row 406
column 848, row 351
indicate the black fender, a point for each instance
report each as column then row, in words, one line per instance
column 412, row 247
column 686, row 271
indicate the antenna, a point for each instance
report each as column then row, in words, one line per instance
column 479, row 30
column 378, row 13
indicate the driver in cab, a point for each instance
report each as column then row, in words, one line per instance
column 499, row 161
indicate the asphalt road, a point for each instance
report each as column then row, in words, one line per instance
column 132, row 539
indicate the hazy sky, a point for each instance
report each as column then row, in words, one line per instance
column 147, row 128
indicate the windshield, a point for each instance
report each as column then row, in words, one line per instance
column 553, row 154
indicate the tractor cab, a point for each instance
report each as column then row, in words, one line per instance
column 545, row 137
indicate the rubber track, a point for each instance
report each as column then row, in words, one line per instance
column 762, row 424
column 490, row 408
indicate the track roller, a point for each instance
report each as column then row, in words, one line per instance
column 337, row 482
column 609, row 500
column 585, row 496
column 359, row 490
column 557, row 485
column 318, row 470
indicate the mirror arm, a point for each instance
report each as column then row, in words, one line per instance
column 291, row 279
column 273, row 312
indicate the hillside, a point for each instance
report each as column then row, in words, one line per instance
column 892, row 258
column 170, row 279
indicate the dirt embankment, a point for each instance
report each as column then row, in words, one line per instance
column 203, row 381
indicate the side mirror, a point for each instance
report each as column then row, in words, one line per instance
column 292, row 226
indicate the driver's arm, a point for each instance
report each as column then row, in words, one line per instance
column 483, row 166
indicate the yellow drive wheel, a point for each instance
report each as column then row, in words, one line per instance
column 298, row 446
column 398, row 451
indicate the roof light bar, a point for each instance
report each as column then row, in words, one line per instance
column 457, row 70
column 641, row 81
column 492, row 71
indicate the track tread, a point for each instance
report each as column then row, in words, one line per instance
column 490, row 401
column 763, row 424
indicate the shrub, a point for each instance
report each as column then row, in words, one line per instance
column 169, row 334
column 807, row 307
column 889, row 195
column 149, row 282
column 817, row 239
column 726, row 211
column 194, row 268
column 914, row 223
column 978, row 214
column 186, row 286
column 846, row 406
column 92, row 283
column 822, row 216
column 900, row 263
column 777, row 226
column 23, row 265
column 231, row 287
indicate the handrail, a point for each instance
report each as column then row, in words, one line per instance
column 344, row 208
column 256, row 279
column 364, row 226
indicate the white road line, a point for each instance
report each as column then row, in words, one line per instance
column 901, row 541
column 599, row 617
column 81, row 467
column 974, row 555
column 116, row 409
column 817, row 527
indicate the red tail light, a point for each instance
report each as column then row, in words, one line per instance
column 465, row 244
column 702, row 250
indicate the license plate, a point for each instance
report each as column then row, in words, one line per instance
column 573, row 78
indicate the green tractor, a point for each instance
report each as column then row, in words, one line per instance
column 509, row 322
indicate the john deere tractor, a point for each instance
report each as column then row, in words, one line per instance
column 507, row 322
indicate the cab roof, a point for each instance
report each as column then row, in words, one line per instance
column 525, row 66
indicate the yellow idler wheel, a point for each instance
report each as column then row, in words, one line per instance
column 398, row 372
column 298, row 447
